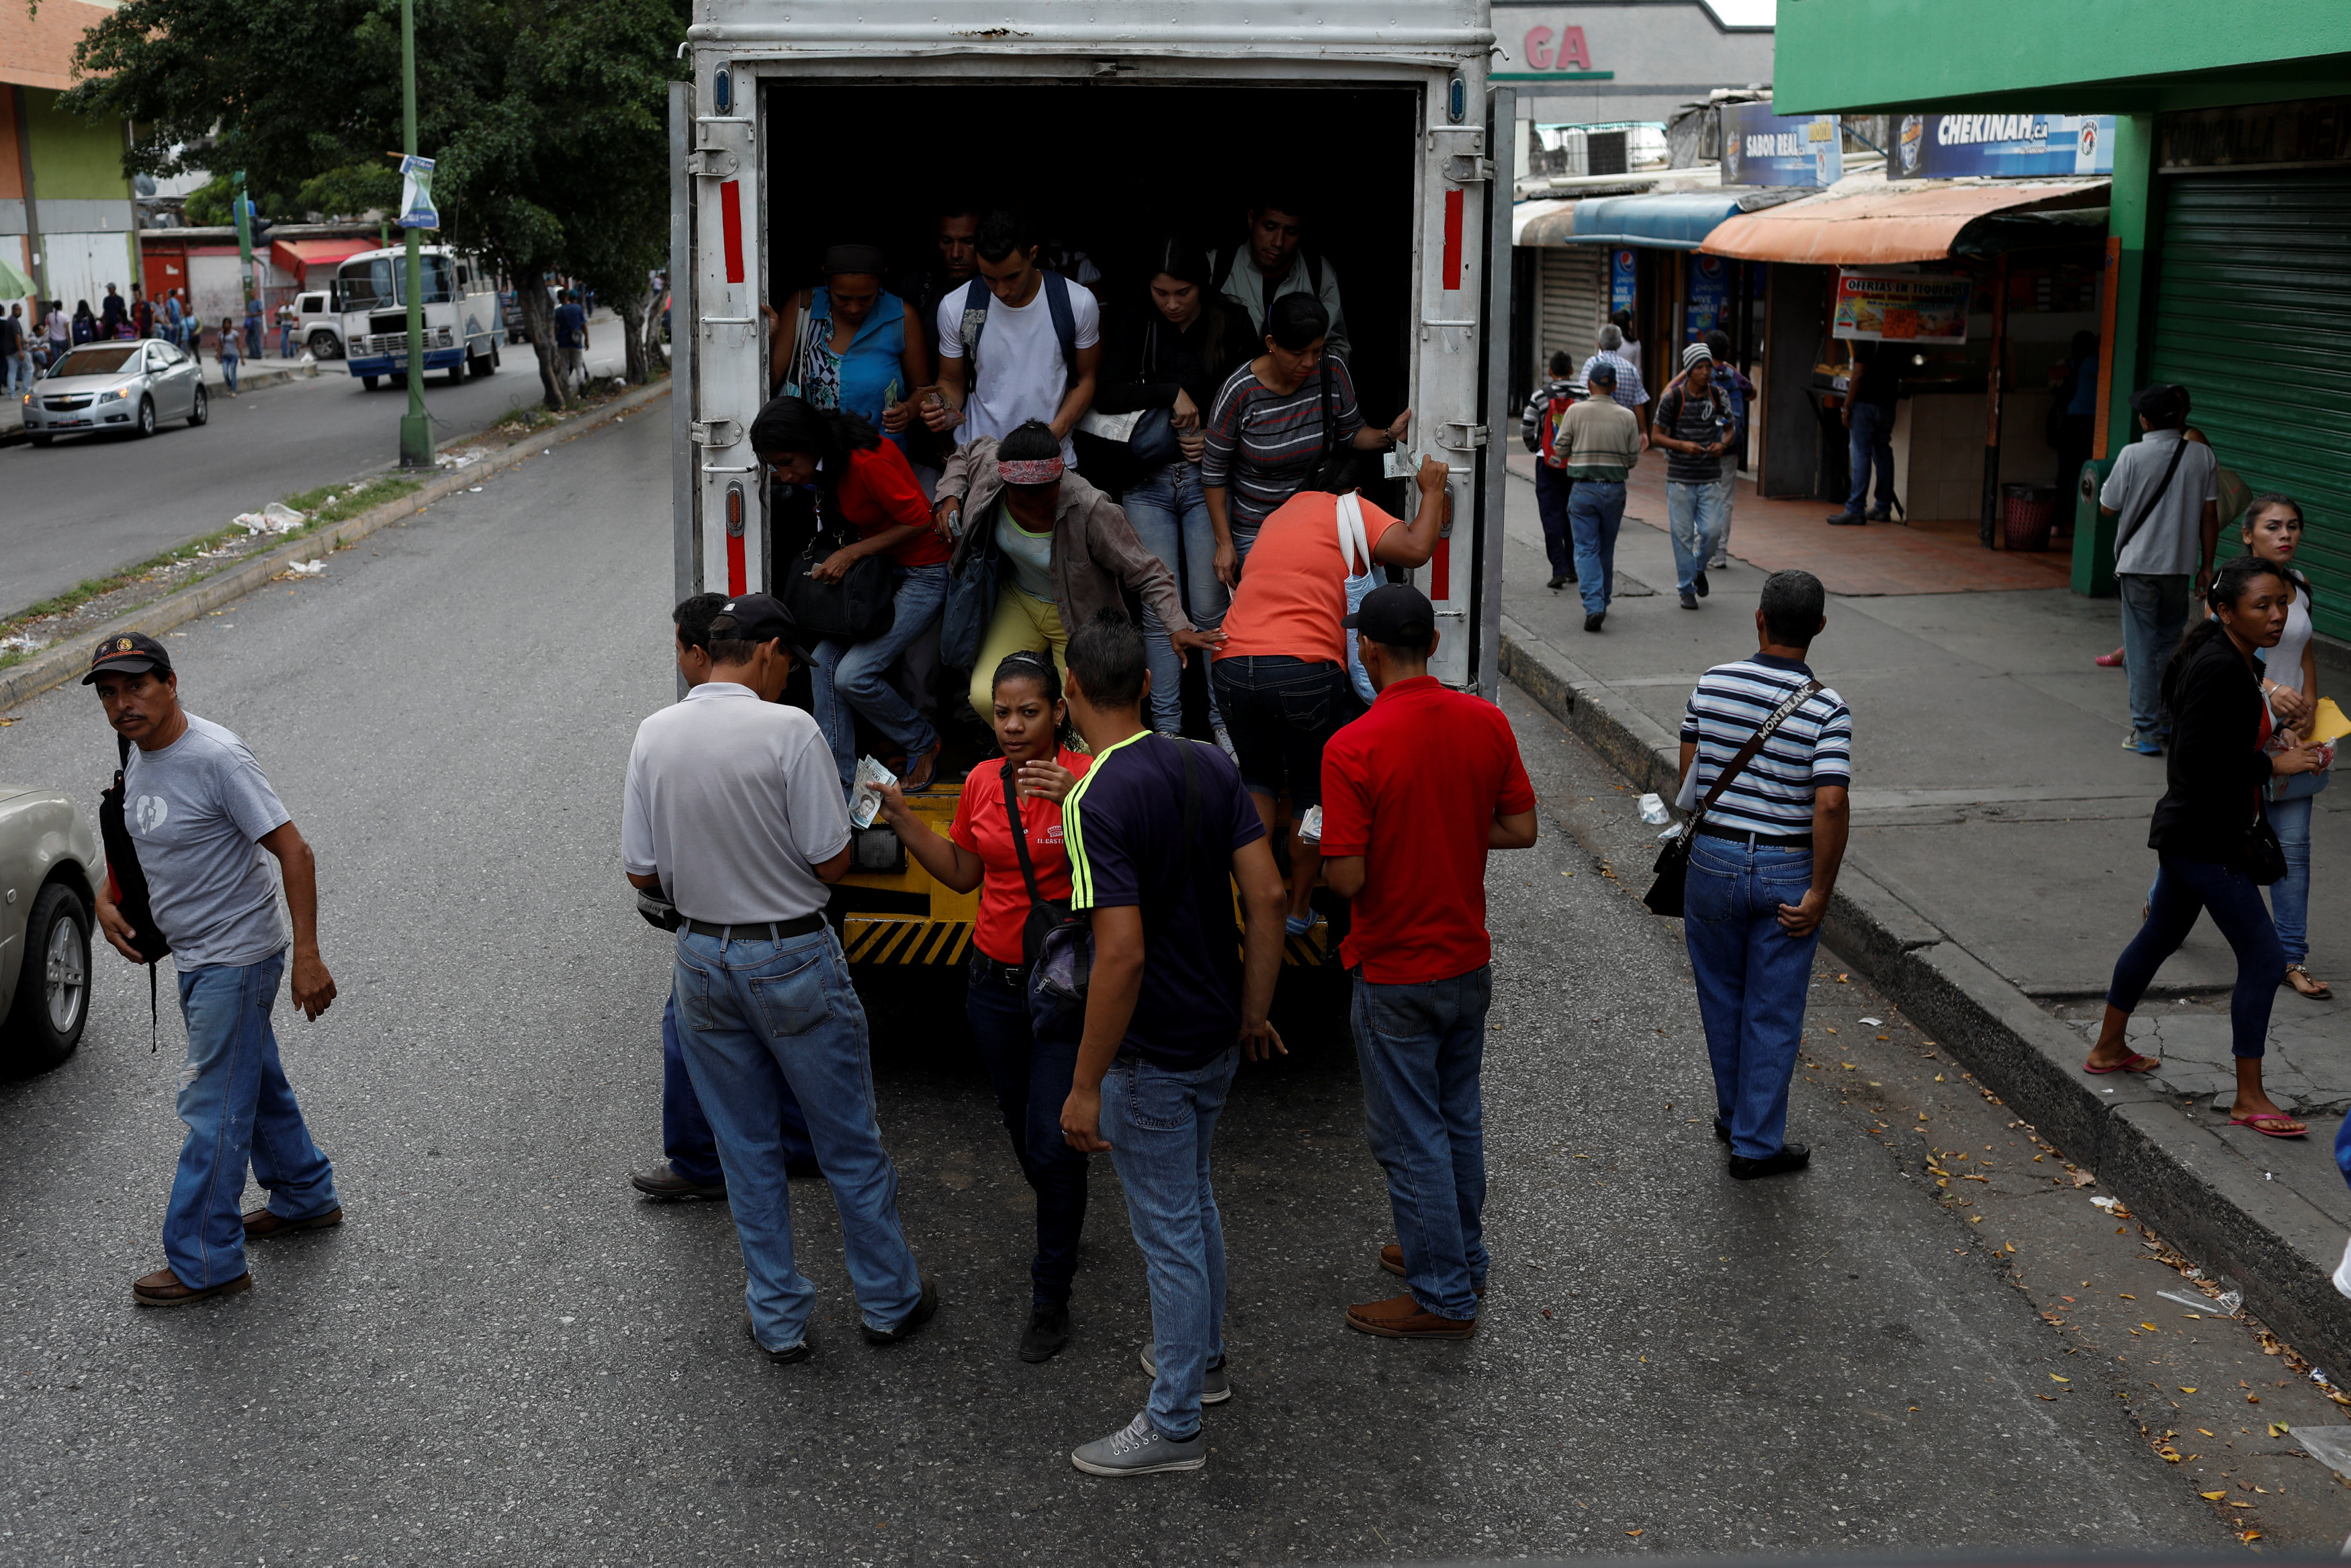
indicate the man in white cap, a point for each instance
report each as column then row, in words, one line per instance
column 1694, row 423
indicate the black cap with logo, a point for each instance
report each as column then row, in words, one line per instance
column 759, row 617
column 1396, row 615
column 130, row 653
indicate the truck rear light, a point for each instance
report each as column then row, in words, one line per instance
column 737, row 581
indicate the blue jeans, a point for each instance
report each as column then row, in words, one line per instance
column 228, row 371
column 16, row 373
column 1553, row 506
column 2183, row 889
column 2290, row 896
column 286, row 340
column 1751, row 977
column 239, row 1109
column 1031, row 1078
column 849, row 679
column 1420, row 1047
column 1870, row 439
column 253, row 336
column 1594, row 511
column 2155, row 616
column 1166, row 509
column 1159, row 1122
column 1694, row 518
column 754, row 1017
column 686, row 1138
column 1728, row 487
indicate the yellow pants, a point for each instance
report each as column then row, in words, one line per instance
column 1022, row 620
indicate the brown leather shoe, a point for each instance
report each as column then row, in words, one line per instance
column 1400, row 1317
column 262, row 1223
column 162, row 1288
column 1391, row 1260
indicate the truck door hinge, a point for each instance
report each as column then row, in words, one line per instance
column 712, row 162
column 1462, row 169
column 716, row 433
column 1460, row 435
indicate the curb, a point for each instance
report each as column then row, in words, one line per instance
column 57, row 664
column 2178, row 1175
column 276, row 370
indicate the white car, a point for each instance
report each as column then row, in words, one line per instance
column 317, row 326
column 48, row 865
column 128, row 387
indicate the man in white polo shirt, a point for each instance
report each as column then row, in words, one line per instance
column 733, row 806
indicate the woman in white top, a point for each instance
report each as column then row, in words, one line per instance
column 2271, row 528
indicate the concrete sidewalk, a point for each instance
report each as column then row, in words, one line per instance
column 1999, row 859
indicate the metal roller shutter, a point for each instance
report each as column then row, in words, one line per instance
column 2253, row 317
column 1574, row 294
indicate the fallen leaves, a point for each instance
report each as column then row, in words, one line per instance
column 2279, row 1428
column 2054, row 1378
column 2211, row 1496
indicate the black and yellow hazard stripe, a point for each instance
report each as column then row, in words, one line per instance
column 882, row 940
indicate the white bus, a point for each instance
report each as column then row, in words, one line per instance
column 461, row 320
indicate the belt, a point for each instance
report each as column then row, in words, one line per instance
column 1012, row 976
column 763, row 931
column 1759, row 840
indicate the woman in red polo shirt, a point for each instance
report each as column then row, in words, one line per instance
column 1032, row 1075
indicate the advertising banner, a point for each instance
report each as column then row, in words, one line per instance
column 416, row 209
column 1709, row 297
column 1901, row 307
column 1620, row 280
column 2003, row 146
column 1760, row 147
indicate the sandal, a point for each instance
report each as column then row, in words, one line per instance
column 2305, row 984
column 2270, row 1124
column 2134, row 1062
column 927, row 766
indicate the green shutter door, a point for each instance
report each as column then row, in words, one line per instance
column 2253, row 317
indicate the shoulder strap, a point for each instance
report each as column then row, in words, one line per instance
column 1352, row 540
column 2178, row 451
column 1021, row 835
column 1327, row 422
column 976, row 298
column 121, row 749
column 1793, row 701
column 1065, row 325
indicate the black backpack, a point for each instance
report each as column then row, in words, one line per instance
column 130, row 882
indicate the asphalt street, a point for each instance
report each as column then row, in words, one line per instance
column 89, row 505
column 506, row 1356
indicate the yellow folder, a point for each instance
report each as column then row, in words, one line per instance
column 2328, row 724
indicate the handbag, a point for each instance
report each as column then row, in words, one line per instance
column 127, row 885
column 1665, row 895
column 971, row 601
column 2261, row 858
column 1352, row 544
column 1044, row 914
column 859, row 607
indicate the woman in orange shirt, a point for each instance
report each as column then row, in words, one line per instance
column 1032, row 1075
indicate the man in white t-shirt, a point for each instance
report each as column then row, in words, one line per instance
column 2160, row 496
column 1034, row 339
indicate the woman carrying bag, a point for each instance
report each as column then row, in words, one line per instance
column 2210, row 830
column 2289, row 675
column 1032, row 1075
column 873, row 536
column 851, row 345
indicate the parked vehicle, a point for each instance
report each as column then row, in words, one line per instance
column 518, row 324
column 49, row 864
column 124, row 386
column 317, row 326
column 460, row 314
column 1406, row 149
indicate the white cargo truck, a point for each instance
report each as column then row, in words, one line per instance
column 813, row 122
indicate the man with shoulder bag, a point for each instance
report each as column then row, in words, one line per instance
column 2161, row 495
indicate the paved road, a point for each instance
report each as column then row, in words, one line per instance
column 506, row 1356
column 92, row 504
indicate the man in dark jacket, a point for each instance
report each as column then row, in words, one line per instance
column 1539, row 427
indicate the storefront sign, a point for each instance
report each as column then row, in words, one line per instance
column 1554, row 49
column 1901, row 306
column 1760, row 147
column 2003, row 146
column 2308, row 131
column 1710, row 298
column 1620, row 281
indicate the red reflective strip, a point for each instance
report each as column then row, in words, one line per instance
column 735, row 581
column 730, row 224
column 1440, row 570
column 1453, row 239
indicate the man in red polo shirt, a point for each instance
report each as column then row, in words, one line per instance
column 1414, row 793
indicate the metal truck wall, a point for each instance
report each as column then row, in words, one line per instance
column 2253, row 316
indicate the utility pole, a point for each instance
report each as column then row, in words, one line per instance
column 244, row 241
column 416, row 425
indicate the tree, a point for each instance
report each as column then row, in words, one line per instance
column 544, row 116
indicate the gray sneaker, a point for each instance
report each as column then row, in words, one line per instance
column 1215, row 1386
column 1139, row 1449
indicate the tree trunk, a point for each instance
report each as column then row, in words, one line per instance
column 635, row 307
column 538, row 316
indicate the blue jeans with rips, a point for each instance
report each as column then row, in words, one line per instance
column 753, row 1018
column 847, row 676
column 1420, row 1047
column 2183, row 889
column 1694, row 518
column 1169, row 510
column 1159, row 1122
column 686, row 1138
column 1031, row 1076
column 2155, row 616
column 1554, row 504
column 1751, row 978
column 1595, row 511
column 239, row 1110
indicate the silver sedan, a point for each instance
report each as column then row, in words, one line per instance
column 48, row 865
column 127, row 386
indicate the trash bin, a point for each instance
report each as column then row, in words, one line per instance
column 2028, row 512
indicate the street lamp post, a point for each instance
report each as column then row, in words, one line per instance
column 244, row 241
column 416, row 425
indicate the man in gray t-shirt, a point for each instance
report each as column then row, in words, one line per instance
column 197, row 812
column 2161, row 497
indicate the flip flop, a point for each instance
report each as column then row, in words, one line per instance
column 2325, row 992
column 2134, row 1062
column 2289, row 1128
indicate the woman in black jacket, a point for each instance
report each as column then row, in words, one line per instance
column 2203, row 825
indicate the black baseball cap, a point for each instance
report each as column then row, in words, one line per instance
column 2161, row 401
column 1602, row 372
column 759, row 617
column 130, row 653
column 1396, row 615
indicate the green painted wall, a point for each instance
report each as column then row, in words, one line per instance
column 72, row 159
column 2057, row 57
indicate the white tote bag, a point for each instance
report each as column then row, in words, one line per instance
column 1353, row 546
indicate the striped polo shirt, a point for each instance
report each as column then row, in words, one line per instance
column 1263, row 445
column 1812, row 746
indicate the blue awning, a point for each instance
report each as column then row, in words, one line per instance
column 1672, row 220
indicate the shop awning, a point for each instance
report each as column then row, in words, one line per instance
column 1544, row 222
column 297, row 256
column 1666, row 220
column 1906, row 221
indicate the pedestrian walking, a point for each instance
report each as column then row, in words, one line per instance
column 571, row 342
column 1741, row 393
column 2272, row 529
column 175, row 325
column 1538, row 427
column 1159, row 831
column 732, row 808
column 1625, row 356
column 2162, row 497
column 689, row 1166
column 1694, row 424
column 2210, row 831
column 1601, row 440
column 1415, row 794
column 198, row 811
column 15, row 362
column 253, row 326
column 230, row 354
column 285, row 323
column 1008, row 842
column 1763, row 862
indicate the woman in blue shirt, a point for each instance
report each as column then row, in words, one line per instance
column 863, row 350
